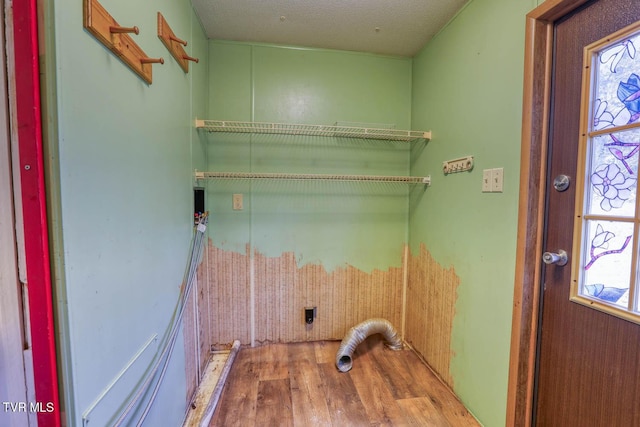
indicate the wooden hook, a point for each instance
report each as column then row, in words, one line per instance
column 177, row 40
column 152, row 60
column 99, row 22
column 118, row 29
column 189, row 58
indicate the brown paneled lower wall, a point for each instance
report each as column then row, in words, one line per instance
column 196, row 329
column 431, row 307
column 258, row 299
column 229, row 275
column 280, row 290
column 344, row 297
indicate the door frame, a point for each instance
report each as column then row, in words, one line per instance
column 531, row 205
column 24, row 99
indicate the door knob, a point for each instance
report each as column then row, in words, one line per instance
column 559, row 258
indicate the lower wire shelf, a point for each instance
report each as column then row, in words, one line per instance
column 426, row 180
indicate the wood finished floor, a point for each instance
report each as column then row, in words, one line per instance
column 299, row 385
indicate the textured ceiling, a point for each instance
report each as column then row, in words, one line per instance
column 391, row 27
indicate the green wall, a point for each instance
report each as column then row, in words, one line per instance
column 332, row 223
column 121, row 162
column 467, row 87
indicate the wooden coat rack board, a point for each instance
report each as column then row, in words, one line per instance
column 174, row 44
column 116, row 38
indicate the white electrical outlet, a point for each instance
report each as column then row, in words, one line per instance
column 486, row 180
column 237, row 202
column 497, row 180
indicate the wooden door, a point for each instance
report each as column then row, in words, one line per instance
column 588, row 367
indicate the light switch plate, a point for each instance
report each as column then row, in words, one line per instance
column 497, row 180
column 486, row 180
column 493, row 180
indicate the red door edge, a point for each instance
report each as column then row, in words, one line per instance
column 29, row 133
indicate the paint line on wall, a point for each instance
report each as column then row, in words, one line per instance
column 252, row 261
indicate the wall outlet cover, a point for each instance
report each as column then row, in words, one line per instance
column 237, row 202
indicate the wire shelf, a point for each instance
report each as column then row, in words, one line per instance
column 312, row 130
column 311, row 177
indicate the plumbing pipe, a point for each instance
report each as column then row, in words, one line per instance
column 195, row 256
column 195, row 259
column 359, row 333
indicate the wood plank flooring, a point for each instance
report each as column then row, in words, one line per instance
column 299, row 385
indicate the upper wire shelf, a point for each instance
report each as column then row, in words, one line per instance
column 312, row 130
column 426, row 180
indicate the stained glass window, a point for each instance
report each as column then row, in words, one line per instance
column 606, row 263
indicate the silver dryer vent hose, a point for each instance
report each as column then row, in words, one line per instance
column 359, row 333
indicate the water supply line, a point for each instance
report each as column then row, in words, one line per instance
column 195, row 256
column 359, row 333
